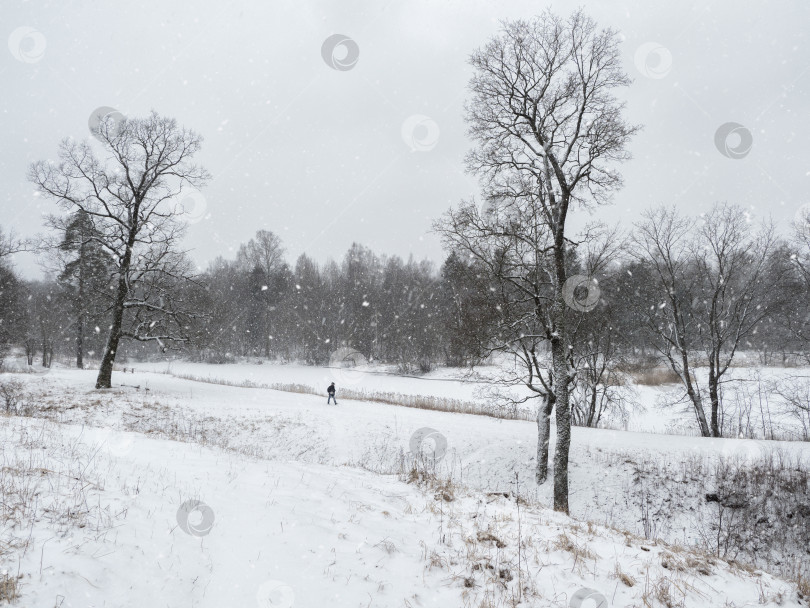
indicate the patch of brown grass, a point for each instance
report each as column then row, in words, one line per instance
column 657, row 376
column 803, row 587
column 484, row 537
column 566, row 543
column 9, row 588
column 623, row 576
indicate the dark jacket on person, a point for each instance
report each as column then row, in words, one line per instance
column 331, row 389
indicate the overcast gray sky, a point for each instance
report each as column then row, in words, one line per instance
column 318, row 155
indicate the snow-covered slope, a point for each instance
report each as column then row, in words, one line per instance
column 311, row 506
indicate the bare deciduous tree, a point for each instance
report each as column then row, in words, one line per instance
column 263, row 258
column 264, row 251
column 713, row 285
column 507, row 250
column 549, row 129
column 131, row 198
column 795, row 391
column 10, row 244
column 598, row 388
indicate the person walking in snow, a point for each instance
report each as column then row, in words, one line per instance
column 331, row 392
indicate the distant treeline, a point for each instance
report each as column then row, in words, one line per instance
column 384, row 309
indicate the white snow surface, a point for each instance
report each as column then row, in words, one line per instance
column 310, row 505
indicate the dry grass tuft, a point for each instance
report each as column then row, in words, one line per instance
column 386, row 545
column 623, row 576
column 12, row 392
column 668, row 591
column 687, row 562
column 9, row 588
column 485, row 537
column 803, row 587
column 566, row 543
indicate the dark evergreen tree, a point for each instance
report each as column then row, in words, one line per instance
column 86, row 273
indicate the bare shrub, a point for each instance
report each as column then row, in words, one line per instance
column 761, row 507
column 591, row 402
column 646, row 370
column 580, row 551
column 11, row 395
column 212, row 355
column 795, row 390
column 738, row 409
column 754, row 511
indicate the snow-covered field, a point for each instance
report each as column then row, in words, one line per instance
column 304, row 504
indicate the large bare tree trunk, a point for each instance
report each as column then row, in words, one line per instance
column 592, row 396
column 80, row 314
column 693, row 395
column 563, row 419
column 104, row 379
column 543, row 437
column 559, row 366
column 714, row 397
column 80, row 341
column 700, row 414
